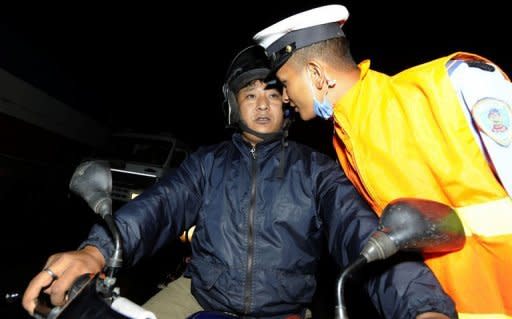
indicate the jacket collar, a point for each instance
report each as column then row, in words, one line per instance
column 264, row 149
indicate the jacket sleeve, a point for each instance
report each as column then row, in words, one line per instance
column 156, row 216
column 398, row 288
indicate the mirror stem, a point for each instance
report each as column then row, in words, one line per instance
column 341, row 309
column 116, row 261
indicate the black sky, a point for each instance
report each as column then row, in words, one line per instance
column 118, row 63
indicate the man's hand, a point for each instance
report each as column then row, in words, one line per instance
column 59, row 273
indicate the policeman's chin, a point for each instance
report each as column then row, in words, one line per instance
column 305, row 113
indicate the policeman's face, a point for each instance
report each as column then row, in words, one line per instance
column 260, row 109
column 297, row 89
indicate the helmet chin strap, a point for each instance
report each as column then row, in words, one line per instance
column 281, row 134
column 264, row 136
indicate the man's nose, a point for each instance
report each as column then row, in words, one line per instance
column 263, row 103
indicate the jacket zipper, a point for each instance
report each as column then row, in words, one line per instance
column 250, row 234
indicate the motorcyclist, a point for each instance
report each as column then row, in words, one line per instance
column 263, row 207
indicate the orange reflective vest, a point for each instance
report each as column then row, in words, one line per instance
column 406, row 136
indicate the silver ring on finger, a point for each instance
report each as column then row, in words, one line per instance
column 51, row 273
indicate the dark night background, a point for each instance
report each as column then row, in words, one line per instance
column 159, row 67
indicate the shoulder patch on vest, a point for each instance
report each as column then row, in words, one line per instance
column 481, row 65
column 493, row 117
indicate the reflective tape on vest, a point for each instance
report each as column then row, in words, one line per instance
column 488, row 219
column 483, row 316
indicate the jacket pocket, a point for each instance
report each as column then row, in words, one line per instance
column 204, row 274
column 295, row 288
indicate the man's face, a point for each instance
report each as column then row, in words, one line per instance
column 297, row 89
column 260, row 109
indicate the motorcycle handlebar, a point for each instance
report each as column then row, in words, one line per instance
column 84, row 302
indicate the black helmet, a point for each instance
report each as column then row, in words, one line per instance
column 248, row 65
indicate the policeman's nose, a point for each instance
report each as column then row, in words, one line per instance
column 286, row 98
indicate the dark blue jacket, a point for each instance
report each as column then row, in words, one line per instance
column 262, row 216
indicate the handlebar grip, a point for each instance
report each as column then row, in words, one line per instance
column 131, row 309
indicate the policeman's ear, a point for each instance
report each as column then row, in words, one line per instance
column 316, row 74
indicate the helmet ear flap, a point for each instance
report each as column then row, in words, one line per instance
column 231, row 111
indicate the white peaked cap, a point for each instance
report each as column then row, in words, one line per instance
column 301, row 30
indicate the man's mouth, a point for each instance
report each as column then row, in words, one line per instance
column 262, row 119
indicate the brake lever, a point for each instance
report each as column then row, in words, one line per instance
column 44, row 308
column 43, row 303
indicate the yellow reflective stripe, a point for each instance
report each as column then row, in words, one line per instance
column 482, row 316
column 488, row 219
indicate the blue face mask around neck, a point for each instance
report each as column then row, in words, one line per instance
column 323, row 109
